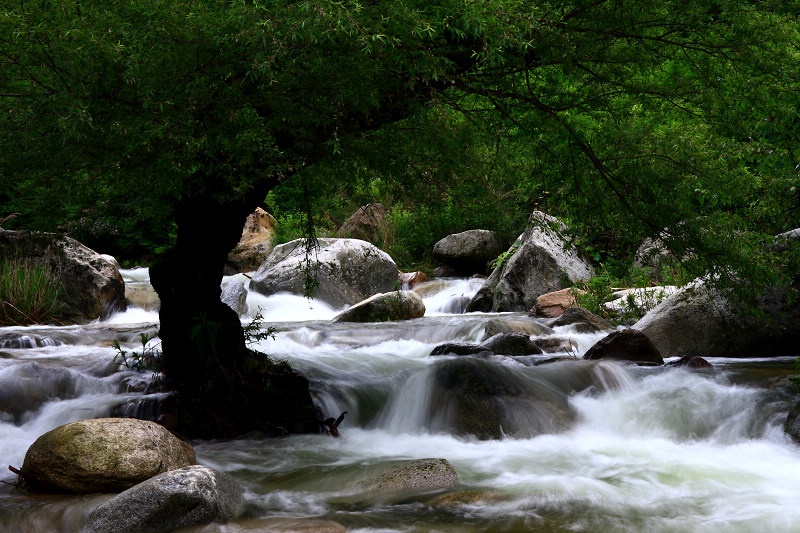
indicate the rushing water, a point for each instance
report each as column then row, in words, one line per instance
column 585, row 446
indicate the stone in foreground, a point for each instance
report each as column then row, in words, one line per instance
column 190, row 496
column 103, row 455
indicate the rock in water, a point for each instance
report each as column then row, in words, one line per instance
column 103, row 455
column 543, row 262
column 190, row 496
column 346, row 271
column 255, row 243
column 412, row 475
column 625, row 345
column 386, row 307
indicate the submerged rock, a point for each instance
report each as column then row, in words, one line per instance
column 473, row 397
column 412, row 475
column 515, row 324
column 102, row 455
column 346, row 271
column 691, row 361
column 511, row 344
column 189, row 496
column 386, row 307
column 625, row 345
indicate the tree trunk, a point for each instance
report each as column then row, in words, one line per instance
column 222, row 387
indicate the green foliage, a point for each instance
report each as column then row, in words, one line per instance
column 255, row 331
column 29, row 292
column 149, row 358
column 505, row 256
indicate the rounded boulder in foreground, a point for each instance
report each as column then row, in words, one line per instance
column 190, row 496
column 103, row 455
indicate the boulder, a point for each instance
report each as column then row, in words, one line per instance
column 386, row 307
column 468, row 252
column 542, row 263
column 655, row 259
column 552, row 304
column 625, row 345
column 690, row 361
column 460, row 348
column 582, row 320
column 415, row 475
column 190, row 496
column 367, row 223
column 234, row 295
column 346, row 271
column 703, row 322
column 475, row 397
column 409, row 280
column 255, row 244
column 515, row 324
column 102, row 455
column 513, row 344
column 92, row 285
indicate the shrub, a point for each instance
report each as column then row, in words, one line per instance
column 29, row 292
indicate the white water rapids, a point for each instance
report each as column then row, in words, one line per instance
column 615, row 447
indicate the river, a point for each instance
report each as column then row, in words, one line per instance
column 584, row 445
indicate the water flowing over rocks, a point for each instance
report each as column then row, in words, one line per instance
column 625, row 345
column 92, row 284
column 701, row 321
column 254, row 245
column 472, row 397
column 542, row 263
column 409, row 476
column 103, row 455
column 468, row 252
column 347, row 271
column 391, row 306
column 189, row 496
column 511, row 344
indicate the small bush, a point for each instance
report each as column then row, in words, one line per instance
column 29, row 292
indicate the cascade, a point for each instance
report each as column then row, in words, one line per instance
column 571, row 445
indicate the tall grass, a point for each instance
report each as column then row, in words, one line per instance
column 29, row 292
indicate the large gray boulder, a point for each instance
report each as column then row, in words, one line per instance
column 702, row 321
column 385, row 307
column 347, row 271
column 102, row 455
column 542, row 263
column 190, row 496
column 92, row 285
column 234, row 295
column 468, row 252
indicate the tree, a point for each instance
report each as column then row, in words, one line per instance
column 186, row 114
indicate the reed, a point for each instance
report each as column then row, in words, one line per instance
column 29, row 292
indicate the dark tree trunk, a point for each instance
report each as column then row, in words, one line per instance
column 223, row 388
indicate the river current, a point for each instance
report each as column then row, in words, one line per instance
column 584, row 445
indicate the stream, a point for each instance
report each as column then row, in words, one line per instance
column 584, row 445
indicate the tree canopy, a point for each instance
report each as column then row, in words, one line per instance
column 161, row 125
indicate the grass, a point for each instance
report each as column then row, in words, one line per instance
column 29, row 292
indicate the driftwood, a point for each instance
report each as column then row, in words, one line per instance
column 20, row 484
column 330, row 426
